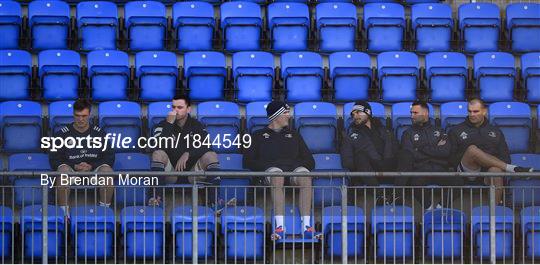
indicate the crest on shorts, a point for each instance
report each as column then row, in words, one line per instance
column 464, row 135
column 288, row 135
column 437, row 133
column 492, row 134
column 416, row 137
column 354, row 136
column 266, row 135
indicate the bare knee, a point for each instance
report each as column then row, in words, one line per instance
column 105, row 168
column 277, row 182
column 160, row 156
column 208, row 158
column 65, row 168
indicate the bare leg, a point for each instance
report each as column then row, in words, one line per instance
column 106, row 192
column 498, row 183
column 474, row 158
column 207, row 159
column 62, row 192
column 160, row 157
column 305, row 192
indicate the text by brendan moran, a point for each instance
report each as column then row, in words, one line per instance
column 123, row 180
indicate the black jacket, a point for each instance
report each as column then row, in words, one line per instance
column 285, row 149
column 360, row 153
column 488, row 138
column 422, row 142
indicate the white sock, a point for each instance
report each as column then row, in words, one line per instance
column 306, row 221
column 104, row 204
column 66, row 210
column 510, row 168
column 279, row 221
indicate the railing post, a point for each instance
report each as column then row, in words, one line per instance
column 492, row 205
column 195, row 223
column 344, row 231
column 45, row 224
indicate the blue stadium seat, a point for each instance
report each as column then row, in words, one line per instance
column 453, row 113
column 327, row 191
column 351, row 75
column 157, row 73
column 525, row 192
column 49, row 24
column 256, row 116
column 432, row 25
column 135, row 195
column 157, row 111
column 444, row 233
column 97, row 22
column 377, row 109
column 20, row 118
column 401, row 117
column 60, row 73
column 336, row 26
column 398, row 76
column 194, row 24
column 495, row 75
column 303, row 76
column 242, row 26
column 242, row 229
column 530, row 72
column 421, row 1
column 393, row 232
column 92, row 229
column 289, row 26
column 15, row 74
column 385, row 25
column 253, row 74
column 10, row 24
column 182, row 232
column 504, row 226
column 7, row 227
column 32, row 232
column 446, row 74
column 108, row 72
column 122, row 118
column 515, row 121
column 222, row 121
column 143, row 228
column 146, row 25
column 523, row 26
column 479, row 24
column 317, row 123
column 232, row 187
column 530, row 229
column 60, row 115
column 332, row 231
column 28, row 190
column 293, row 226
column 206, row 75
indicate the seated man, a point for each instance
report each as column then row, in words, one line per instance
column 277, row 148
column 67, row 160
column 479, row 146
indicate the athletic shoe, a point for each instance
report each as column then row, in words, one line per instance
column 523, row 169
column 278, row 234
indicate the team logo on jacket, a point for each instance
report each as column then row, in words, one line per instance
column 437, row 133
column 416, row 137
column 464, row 135
column 288, row 135
column 354, row 136
column 492, row 134
column 266, row 135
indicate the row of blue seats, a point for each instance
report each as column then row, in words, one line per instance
column 393, row 230
column 262, row 2
column 335, row 26
column 254, row 76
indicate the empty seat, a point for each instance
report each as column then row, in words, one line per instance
column 7, row 230
column 60, row 73
column 317, row 123
column 530, row 72
column 293, row 226
column 243, row 230
column 182, row 232
column 401, row 117
column 530, row 229
column 222, row 121
column 444, row 233
column 377, row 110
column 332, row 231
column 60, row 115
column 303, row 76
column 134, row 195
column 146, row 25
column 15, row 74
column 194, row 24
column 97, row 22
column 446, row 74
column 49, row 24
column 205, row 74
column 93, row 229
column 453, row 113
column 10, row 24
column 20, row 118
column 393, row 232
column 398, row 76
column 523, row 26
column 495, row 75
column 336, row 26
column 479, row 24
column 109, row 75
column 327, row 190
column 32, row 232
column 504, row 234
column 28, row 190
column 157, row 73
column 351, row 75
column 432, row 25
column 242, row 25
column 253, row 74
column 143, row 228
column 230, row 188
column 256, row 117
column 123, row 119
column 515, row 121
column 289, row 26
column 525, row 192
column 385, row 25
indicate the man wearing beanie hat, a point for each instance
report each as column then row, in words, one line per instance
column 277, row 148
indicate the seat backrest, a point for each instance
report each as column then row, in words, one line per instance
column 327, row 162
column 53, row 59
column 47, row 9
column 481, row 215
column 242, row 219
column 143, row 9
column 32, row 215
column 324, row 112
column 247, row 60
column 453, row 217
column 305, row 60
column 98, row 61
column 522, row 11
column 16, row 60
column 530, row 64
column 390, row 215
column 453, row 113
column 526, row 160
column 230, row 162
column 283, row 13
column 439, row 61
column 10, row 11
column 256, row 117
column 6, row 218
column 493, row 60
column 151, row 218
column 207, row 59
column 157, row 111
column 28, row 161
column 182, row 219
column 131, row 161
column 424, row 14
column 184, row 11
column 96, row 11
column 510, row 113
column 90, row 217
column 219, row 113
column 332, row 215
column 129, row 112
column 383, row 12
column 148, row 59
column 348, row 60
column 530, row 219
column 478, row 12
column 60, row 114
column 241, row 10
column 20, row 109
column 396, row 60
column 335, row 11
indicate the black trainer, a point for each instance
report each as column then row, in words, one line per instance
column 523, row 169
